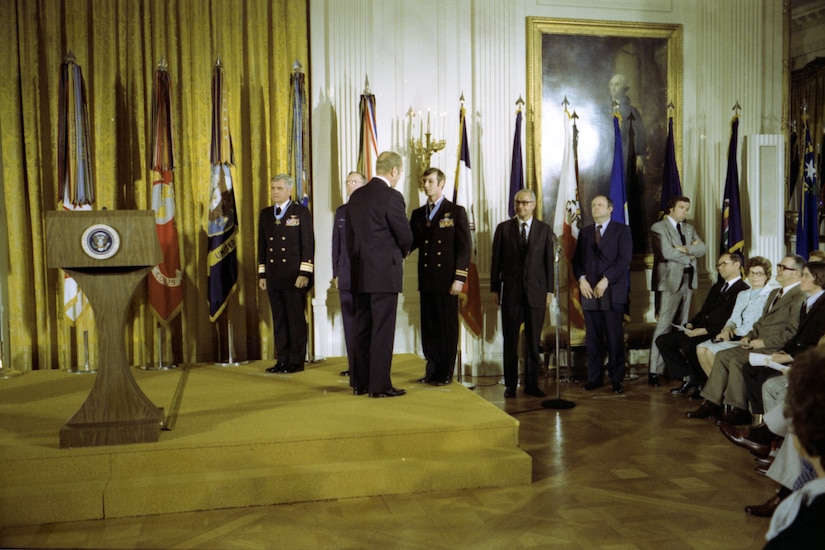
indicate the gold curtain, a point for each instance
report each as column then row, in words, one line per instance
column 118, row 44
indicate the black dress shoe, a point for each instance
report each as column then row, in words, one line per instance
column 740, row 436
column 424, row 379
column 653, row 379
column 618, row 388
column 683, row 389
column 767, row 508
column 737, row 417
column 592, row 386
column 277, row 367
column 706, row 410
column 535, row 392
column 359, row 391
column 392, row 392
column 344, row 373
column 444, row 382
column 697, row 393
column 509, row 392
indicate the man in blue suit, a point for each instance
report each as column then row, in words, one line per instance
column 522, row 264
column 600, row 265
column 378, row 240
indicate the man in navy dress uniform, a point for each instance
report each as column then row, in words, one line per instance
column 286, row 248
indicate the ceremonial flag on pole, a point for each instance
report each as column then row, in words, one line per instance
column 733, row 239
column 470, row 298
column 618, row 192
column 75, row 180
column 368, row 145
column 299, row 157
column 568, row 216
column 223, row 218
column 166, row 279
column 807, row 227
column 671, row 184
column 516, row 166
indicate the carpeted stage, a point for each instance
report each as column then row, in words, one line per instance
column 236, row 436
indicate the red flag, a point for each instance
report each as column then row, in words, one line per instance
column 165, row 282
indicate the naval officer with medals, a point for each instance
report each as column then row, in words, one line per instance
column 441, row 233
column 286, row 248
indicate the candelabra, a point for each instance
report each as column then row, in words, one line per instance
column 422, row 149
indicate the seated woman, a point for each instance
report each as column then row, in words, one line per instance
column 797, row 522
column 746, row 311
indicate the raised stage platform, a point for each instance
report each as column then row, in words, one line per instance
column 236, row 436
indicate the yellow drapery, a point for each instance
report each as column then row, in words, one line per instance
column 118, row 44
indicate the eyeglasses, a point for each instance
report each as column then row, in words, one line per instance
column 525, row 202
column 756, row 274
column 353, row 182
column 780, row 267
column 723, row 262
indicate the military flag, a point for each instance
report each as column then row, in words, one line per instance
column 223, row 219
column 671, row 184
column 470, row 298
column 618, row 190
column 733, row 239
column 516, row 166
column 566, row 222
column 166, row 278
column 368, row 142
column 807, row 227
column 299, row 145
column 75, row 179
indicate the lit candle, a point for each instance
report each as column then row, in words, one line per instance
column 443, row 125
column 428, row 120
column 420, row 127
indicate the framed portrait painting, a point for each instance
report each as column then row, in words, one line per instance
column 601, row 68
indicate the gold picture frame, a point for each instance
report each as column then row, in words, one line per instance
column 576, row 60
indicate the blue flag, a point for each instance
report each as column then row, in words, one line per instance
column 618, row 191
column 671, row 184
column 807, row 228
column 516, row 167
column 733, row 239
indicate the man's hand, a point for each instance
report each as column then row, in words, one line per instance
column 781, row 357
column 334, row 282
column 694, row 332
column 262, row 284
column 498, row 298
column 601, row 286
column 455, row 288
column 759, row 343
column 302, row 281
column 585, row 288
column 549, row 298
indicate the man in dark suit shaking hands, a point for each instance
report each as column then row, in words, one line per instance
column 378, row 238
column 522, row 263
column 600, row 265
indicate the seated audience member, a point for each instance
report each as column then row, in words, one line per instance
column 777, row 326
column 811, row 328
column 678, row 347
column 798, row 521
column 747, row 310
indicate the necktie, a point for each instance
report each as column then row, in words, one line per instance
column 776, row 299
column 598, row 234
column 804, row 308
column 524, row 234
column 724, row 288
column 277, row 210
column 681, row 235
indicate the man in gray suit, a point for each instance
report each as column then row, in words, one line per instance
column 676, row 245
column 778, row 324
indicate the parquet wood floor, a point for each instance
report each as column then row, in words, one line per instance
column 617, row 471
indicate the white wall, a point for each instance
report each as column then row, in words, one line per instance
column 425, row 54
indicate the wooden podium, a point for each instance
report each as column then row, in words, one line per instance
column 108, row 253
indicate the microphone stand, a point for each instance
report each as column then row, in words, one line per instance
column 558, row 402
